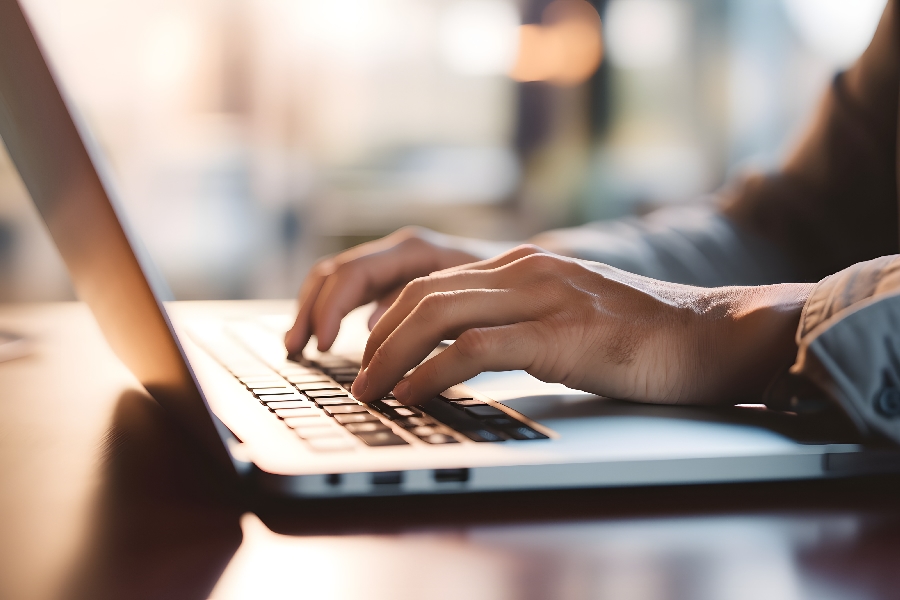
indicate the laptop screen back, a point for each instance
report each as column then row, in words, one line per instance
column 60, row 173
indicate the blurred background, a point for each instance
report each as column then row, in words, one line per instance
column 248, row 137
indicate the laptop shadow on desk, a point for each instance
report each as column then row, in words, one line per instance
column 164, row 523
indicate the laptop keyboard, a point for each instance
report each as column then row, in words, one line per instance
column 312, row 398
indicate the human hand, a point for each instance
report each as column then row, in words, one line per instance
column 586, row 325
column 373, row 271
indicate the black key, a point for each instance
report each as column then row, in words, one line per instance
column 331, row 393
column 290, row 404
column 333, row 362
column 523, row 432
column 502, row 422
column 462, row 402
column 385, row 410
column 366, row 427
column 344, row 378
column 485, row 411
column 407, row 411
column 381, row 438
column 363, row 417
column 278, row 397
column 416, row 422
column 439, row 438
column 344, row 409
column 456, row 419
column 262, row 381
column 318, row 387
column 307, row 378
column 335, row 401
column 344, row 371
column 298, row 372
column 482, row 435
column 272, row 389
column 286, row 413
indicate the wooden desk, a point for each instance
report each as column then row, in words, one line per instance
column 102, row 497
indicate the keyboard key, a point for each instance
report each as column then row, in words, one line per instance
column 297, row 371
column 273, row 389
column 482, row 435
column 344, row 378
column 407, row 412
column 354, row 371
column 440, row 438
column 308, row 433
column 262, row 381
column 279, row 397
column 315, row 385
column 423, row 431
column 523, row 432
column 416, row 422
column 484, row 411
column 312, row 417
column 345, row 409
column 362, row 417
column 307, row 378
column 366, row 427
column 285, row 413
column 325, row 393
column 330, row 444
column 273, row 405
column 390, row 402
column 502, row 422
column 333, row 362
column 462, row 402
column 382, row 438
column 335, row 401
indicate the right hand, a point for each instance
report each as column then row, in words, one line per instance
column 373, row 271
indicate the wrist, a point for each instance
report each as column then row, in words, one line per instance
column 758, row 337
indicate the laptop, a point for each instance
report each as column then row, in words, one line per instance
column 290, row 426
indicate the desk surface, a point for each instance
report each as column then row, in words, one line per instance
column 102, row 497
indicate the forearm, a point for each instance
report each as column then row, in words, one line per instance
column 694, row 245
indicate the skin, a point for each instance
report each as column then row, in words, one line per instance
column 584, row 324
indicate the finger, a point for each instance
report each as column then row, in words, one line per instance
column 500, row 260
column 438, row 316
column 381, row 307
column 503, row 348
column 298, row 335
column 361, row 280
column 413, row 294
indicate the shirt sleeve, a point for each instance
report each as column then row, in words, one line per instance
column 849, row 344
column 693, row 245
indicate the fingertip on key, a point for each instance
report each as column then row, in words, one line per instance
column 402, row 392
column 360, row 384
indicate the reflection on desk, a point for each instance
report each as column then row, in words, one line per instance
column 101, row 496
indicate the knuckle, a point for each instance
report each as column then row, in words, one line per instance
column 527, row 250
column 541, row 262
column 324, row 267
column 432, row 307
column 474, row 343
column 417, row 288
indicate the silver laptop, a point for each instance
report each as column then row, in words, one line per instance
column 291, row 426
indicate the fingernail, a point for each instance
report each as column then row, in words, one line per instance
column 402, row 391
column 360, row 384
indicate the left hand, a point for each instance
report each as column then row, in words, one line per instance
column 586, row 325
